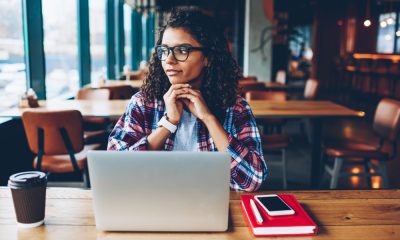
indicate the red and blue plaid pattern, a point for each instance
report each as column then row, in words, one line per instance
column 248, row 168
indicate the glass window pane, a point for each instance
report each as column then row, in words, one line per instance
column 127, row 30
column 386, row 33
column 12, row 65
column 300, row 53
column 398, row 37
column 60, row 46
column 97, row 21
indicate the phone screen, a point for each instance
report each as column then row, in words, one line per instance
column 273, row 203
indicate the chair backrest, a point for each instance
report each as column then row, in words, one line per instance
column 250, row 79
column 387, row 119
column 93, row 94
column 281, row 77
column 51, row 122
column 311, row 89
column 138, row 75
column 264, row 95
column 249, row 86
column 121, row 92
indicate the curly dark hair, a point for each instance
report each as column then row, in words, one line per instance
column 220, row 81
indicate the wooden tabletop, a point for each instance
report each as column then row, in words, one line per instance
column 261, row 108
column 288, row 109
column 88, row 108
column 276, row 86
column 113, row 83
column 339, row 214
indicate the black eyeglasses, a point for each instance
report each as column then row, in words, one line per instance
column 181, row 52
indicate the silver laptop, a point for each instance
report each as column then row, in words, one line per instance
column 160, row 191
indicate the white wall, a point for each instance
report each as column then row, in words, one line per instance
column 254, row 62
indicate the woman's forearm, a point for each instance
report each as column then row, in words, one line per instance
column 217, row 132
column 157, row 138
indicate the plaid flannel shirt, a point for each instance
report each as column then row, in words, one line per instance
column 248, row 168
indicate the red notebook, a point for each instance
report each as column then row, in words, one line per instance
column 298, row 224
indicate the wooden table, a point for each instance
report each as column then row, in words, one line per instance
column 300, row 109
column 276, row 86
column 88, row 108
column 340, row 214
column 316, row 112
column 114, row 83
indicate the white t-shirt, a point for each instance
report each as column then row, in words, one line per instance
column 186, row 134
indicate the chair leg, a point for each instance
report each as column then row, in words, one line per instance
column 40, row 149
column 336, row 172
column 307, row 123
column 70, row 149
column 284, row 169
column 261, row 128
column 86, row 179
column 367, row 171
column 279, row 128
column 302, row 127
column 383, row 172
column 265, row 129
column 268, row 129
column 324, row 158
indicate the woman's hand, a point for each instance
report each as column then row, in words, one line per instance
column 195, row 102
column 198, row 107
column 174, row 107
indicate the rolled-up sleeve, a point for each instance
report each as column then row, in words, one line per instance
column 248, row 168
column 129, row 133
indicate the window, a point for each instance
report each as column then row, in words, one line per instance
column 127, row 30
column 97, row 21
column 60, row 46
column 398, row 36
column 300, row 53
column 12, row 65
column 386, row 33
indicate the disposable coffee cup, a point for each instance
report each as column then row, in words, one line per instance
column 28, row 191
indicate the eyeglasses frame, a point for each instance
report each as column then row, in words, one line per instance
column 171, row 49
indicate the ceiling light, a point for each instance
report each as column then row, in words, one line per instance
column 390, row 21
column 367, row 23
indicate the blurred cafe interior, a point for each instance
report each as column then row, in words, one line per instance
column 322, row 78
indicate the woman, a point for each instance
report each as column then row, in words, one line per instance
column 188, row 101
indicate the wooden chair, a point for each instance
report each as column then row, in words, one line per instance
column 136, row 75
column 93, row 94
column 250, row 86
column 94, row 127
column 277, row 142
column 273, row 142
column 270, row 124
column 120, row 92
column 248, row 79
column 386, row 125
column 264, row 95
column 56, row 137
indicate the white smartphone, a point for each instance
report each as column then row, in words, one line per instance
column 274, row 205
